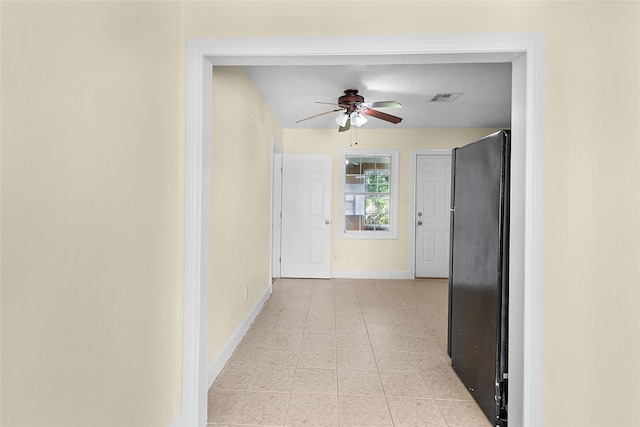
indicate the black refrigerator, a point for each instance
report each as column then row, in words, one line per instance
column 478, row 271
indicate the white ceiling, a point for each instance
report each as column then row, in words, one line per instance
column 291, row 92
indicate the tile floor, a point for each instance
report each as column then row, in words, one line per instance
column 343, row 352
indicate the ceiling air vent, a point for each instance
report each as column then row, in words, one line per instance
column 446, row 97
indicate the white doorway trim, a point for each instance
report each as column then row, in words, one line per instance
column 412, row 203
column 527, row 51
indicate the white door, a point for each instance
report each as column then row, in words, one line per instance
column 433, row 196
column 276, row 211
column 306, row 215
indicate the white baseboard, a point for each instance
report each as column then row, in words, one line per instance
column 371, row 274
column 218, row 363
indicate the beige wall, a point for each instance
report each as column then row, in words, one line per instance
column 92, row 195
column 349, row 256
column 92, row 174
column 242, row 129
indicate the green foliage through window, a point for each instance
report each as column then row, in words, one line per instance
column 377, row 210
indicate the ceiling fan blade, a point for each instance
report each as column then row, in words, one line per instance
column 380, row 115
column 318, row 115
column 328, row 103
column 346, row 126
column 382, row 104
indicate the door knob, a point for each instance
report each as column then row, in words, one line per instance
column 327, row 222
column 419, row 222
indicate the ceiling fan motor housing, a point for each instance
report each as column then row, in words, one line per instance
column 350, row 100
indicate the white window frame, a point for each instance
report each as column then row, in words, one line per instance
column 392, row 233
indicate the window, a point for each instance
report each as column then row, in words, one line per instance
column 369, row 187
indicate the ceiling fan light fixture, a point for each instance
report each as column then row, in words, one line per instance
column 342, row 119
column 358, row 119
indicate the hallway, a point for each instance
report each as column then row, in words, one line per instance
column 343, row 352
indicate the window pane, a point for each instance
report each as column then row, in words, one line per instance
column 354, row 165
column 368, row 192
column 354, row 184
column 377, row 210
column 377, row 181
column 354, row 222
column 354, row 204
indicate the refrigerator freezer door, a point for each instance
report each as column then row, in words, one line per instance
column 478, row 280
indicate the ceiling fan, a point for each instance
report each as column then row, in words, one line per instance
column 354, row 109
